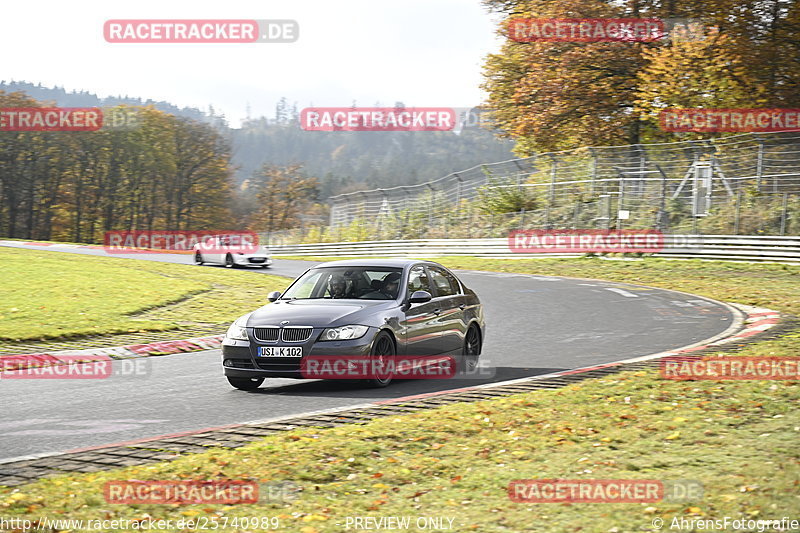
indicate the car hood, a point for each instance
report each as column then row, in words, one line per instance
column 321, row 313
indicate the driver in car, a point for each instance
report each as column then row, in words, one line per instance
column 390, row 285
column 336, row 286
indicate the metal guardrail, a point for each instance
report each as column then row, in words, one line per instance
column 721, row 247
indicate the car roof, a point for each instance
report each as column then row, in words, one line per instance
column 397, row 263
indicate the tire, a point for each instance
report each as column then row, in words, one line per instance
column 382, row 347
column 245, row 383
column 198, row 259
column 229, row 261
column 471, row 351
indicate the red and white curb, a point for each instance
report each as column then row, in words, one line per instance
column 131, row 351
column 36, row 244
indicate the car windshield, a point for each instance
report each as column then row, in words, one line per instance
column 361, row 283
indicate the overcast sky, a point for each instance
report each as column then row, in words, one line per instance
column 425, row 53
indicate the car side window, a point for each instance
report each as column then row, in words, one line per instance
column 445, row 283
column 418, row 280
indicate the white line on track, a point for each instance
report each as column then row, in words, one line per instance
column 623, row 292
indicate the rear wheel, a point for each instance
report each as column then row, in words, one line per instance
column 245, row 383
column 382, row 354
column 471, row 351
column 198, row 259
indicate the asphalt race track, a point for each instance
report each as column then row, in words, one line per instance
column 535, row 325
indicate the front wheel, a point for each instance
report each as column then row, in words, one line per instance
column 229, row 261
column 245, row 383
column 198, row 259
column 471, row 351
column 383, row 351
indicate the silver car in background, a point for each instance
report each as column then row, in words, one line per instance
column 226, row 250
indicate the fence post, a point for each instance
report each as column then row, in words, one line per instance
column 522, row 219
column 551, row 196
column 458, row 192
column 641, row 185
column 662, row 222
column 594, row 169
column 431, row 205
column 759, row 163
column 575, row 214
column 785, row 213
column 737, row 211
column 621, row 200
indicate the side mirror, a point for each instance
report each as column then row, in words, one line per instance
column 420, row 297
column 274, row 295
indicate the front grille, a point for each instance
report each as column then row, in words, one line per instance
column 257, row 259
column 269, row 334
column 296, row 333
column 286, row 334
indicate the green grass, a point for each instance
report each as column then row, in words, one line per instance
column 738, row 438
column 47, row 295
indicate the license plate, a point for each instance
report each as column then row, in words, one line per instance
column 280, row 351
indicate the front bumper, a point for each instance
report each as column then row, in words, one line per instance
column 252, row 260
column 240, row 358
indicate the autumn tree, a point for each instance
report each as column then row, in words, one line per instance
column 158, row 173
column 282, row 194
column 554, row 95
column 694, row 73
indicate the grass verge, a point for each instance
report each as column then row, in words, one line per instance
column 46, row 295
column 737, row 438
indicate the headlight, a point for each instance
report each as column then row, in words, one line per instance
column 343, row 333
column 237, row 330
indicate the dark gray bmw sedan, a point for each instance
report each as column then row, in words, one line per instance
column 374, row 309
